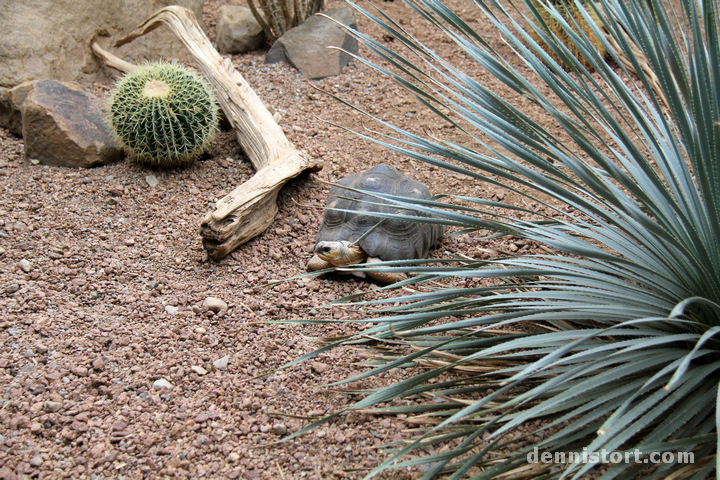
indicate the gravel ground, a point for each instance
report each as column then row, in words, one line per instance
column 106, row 294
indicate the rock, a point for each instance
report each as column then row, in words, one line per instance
column 27, row 368
column 305, row 47
column 222, row 363
column 50, row 39
column 214, row 304
column 201, row 418
column 319, row 367
column 36, row 428
column 198, row 369
column 63, row 127
column 233, row 457
column 152, row 181
column 36, row 461
column 25, row 265
column 98, row 364
column 279, row 429
column 51, row 406
column 7, row 474
column 119, row 426
column 161, row 383
column 237, row 30
column 172, row 310
column 11, row 100
column 79, row 371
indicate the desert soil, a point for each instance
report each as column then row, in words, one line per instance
column 103, row 283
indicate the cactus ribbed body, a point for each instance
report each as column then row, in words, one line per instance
column 570, row 12
column 163, row 114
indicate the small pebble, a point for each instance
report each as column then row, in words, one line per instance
column 36, row 461
column 162, row 383
column 98, row 364
column 172, row 310
column 29, row 353
column 51, row 406
column 319, row 367
column 199, row 370
column 233, row 457
column 214, row 304
column 279, row 429
column 25, row 266
column 222, row 363
column 28, row 368
column 200, row 330
column 152, row 181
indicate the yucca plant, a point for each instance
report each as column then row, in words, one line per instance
column 610, row 343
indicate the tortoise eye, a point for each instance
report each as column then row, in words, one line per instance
column 326, row 249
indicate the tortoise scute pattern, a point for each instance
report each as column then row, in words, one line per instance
column 394, row 239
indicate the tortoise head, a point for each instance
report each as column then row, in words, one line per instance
column 340, row 253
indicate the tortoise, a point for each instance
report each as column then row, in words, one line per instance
column 340, row 240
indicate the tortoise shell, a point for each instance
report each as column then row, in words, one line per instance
column 391, row 240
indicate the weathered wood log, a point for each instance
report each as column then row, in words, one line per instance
column 249, row 209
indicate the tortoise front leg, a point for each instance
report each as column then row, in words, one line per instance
column 385, row 277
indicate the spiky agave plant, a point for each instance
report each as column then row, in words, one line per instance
column 624, row 353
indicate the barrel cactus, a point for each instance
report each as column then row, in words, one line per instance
column 163, row 114
column 573, row 16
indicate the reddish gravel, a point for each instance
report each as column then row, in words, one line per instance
column 104, row 286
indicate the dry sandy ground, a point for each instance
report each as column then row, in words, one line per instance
column 103, row 279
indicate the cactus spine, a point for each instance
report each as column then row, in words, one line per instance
column 163, row 114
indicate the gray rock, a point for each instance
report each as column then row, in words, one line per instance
column 11, row 100
column 305, row 47
column 214, row 304
column 171, row 310
column 237, row 30
column 28, row 368
column 222, row 363
column 161, row 383
column 63, row 127
column 24, row 265
column 51, row 39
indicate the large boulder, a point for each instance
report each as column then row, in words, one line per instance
column 305, row 47
column 237, row 30
column 63, row 126
column 52, row 38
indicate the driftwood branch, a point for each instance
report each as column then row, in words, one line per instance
column 249, row 209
